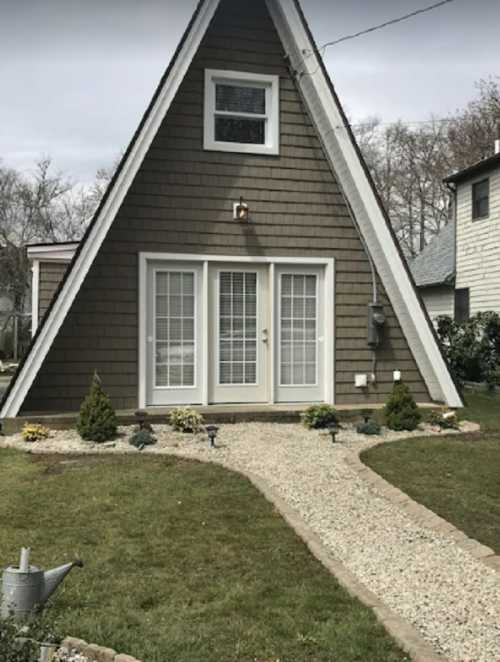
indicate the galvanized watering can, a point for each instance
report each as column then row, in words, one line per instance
column 27, row 588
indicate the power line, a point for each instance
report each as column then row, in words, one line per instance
column 393, row 21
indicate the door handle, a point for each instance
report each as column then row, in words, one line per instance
column 265, row 335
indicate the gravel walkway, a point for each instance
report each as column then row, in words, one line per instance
column 450, row 597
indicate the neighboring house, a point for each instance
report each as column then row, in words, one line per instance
column 240, row 254
column 49, row 263
column 434, row 273
column 458, row 274
column 477, row 213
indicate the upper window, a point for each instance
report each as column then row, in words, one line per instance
column 481, row 199
column 241, row 112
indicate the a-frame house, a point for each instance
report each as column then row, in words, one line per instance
column 240, row 254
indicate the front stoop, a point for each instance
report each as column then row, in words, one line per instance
column 419, row 513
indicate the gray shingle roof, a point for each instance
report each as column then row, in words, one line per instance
column 436, row 264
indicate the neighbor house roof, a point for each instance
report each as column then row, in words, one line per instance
column 480, row 168
column 436, row 263
column 346, row 162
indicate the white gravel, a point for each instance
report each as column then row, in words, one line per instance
column 450, row 597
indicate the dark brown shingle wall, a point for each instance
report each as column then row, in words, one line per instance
column 181, row 201
column 51, row 274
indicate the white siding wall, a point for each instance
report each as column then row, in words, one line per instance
column 478, row 247
column 438, row 301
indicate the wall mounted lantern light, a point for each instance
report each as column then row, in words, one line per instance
column 241, row 211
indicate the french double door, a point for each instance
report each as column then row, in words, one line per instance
column 223, row 332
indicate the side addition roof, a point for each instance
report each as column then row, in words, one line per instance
column 345, row 159
column 436, row 263
column 475, row 170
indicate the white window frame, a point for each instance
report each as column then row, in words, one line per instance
column 272, row 115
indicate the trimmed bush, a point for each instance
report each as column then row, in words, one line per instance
column 319, row 416
column 185, row 419
column 401, row 411
column 369, row 427
column 473, row 347
column 35, row 432
column 97, row 420
column 141, row 439
column 446, row 421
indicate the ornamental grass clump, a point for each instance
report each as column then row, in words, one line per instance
column 401, row 411
column 185, row 419
column 35, row 432
column 97, row 420
column 443, row 421
column 318, row 417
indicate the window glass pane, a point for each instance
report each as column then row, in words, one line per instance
column 237, row 328
column 237, row 99
column 175, row 329
column 234, row 130
column 298, row 317
column 481, row 199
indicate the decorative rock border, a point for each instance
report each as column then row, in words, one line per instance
column 93, row 652
column 405, row 635
column 419, row 513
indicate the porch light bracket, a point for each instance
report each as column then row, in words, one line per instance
column 241, row 211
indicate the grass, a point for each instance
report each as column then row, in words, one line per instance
column 456, row 477
column 183, row 562
column 484, row 408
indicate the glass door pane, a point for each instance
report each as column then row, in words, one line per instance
column 237, row 327
column 175, row 341
column 298, row 329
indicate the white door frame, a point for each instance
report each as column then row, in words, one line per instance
column 328, row 263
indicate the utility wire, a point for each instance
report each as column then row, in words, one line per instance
column 393, row 21
column 386, row 24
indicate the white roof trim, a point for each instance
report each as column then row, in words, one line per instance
column 53, row 252
column 348, row 168
column 357, row 188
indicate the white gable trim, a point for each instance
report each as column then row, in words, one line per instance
column 357, row 188
column 345, row 162
column 102, row 223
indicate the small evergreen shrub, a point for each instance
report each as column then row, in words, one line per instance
column 97, row 420
column 369, row 427
column 141, row 439
column 401, row 411
column 446, row 421
column 319, row 416
column 185, row 419
column 35, row 432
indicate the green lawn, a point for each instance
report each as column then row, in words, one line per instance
column 483, row 408
column 456, row 477
column 184, row 562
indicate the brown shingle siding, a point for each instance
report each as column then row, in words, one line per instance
column 181, row 201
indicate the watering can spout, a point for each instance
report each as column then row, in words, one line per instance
column 52, row 578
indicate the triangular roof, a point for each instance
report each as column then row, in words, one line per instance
column 345, row 159
column 436, row 263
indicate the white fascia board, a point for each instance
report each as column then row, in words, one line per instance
column 55, row 253
column 352, row 178
column 107, row 214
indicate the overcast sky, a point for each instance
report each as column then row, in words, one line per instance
column 76, row 75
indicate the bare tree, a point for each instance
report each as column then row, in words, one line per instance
column 409, row 162
column 40, row 207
